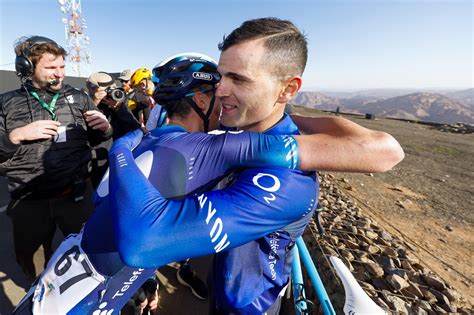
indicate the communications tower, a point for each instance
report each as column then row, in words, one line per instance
column 77, row 41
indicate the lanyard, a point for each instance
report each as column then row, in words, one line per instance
column 50, row 107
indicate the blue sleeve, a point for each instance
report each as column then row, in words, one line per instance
column 186, row 163
column 152, row 231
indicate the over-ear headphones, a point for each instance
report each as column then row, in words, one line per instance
column 23, row 65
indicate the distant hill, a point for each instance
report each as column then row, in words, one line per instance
column 316, row 100
column 464, row 96
column 433, row 107
column 424, row 106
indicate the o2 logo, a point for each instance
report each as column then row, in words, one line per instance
column 269, row 183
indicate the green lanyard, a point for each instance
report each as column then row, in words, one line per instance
column 50, row 107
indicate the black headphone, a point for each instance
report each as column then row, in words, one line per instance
column 23, row 65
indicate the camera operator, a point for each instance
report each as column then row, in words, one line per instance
column 111, row 102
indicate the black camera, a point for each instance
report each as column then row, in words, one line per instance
column 117, row 94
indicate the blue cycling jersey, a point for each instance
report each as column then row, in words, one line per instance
column 150, row 230
column 248, row 279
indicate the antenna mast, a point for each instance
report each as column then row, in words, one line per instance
column 78, row 54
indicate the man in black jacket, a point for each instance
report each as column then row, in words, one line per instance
column 46, row 133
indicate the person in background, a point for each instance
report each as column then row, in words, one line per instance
column 110, row 100
column 140, row 101
column 124, row 79
column 47, row 130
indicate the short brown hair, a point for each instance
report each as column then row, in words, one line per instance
column 27, row 47
column 286, row 45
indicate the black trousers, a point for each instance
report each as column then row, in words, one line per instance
column 35, row 221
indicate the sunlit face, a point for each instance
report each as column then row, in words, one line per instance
column 248, row 90
column 49, row 69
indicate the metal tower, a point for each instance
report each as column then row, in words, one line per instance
column 78, row 54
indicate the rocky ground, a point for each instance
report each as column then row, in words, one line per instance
column 406, row 234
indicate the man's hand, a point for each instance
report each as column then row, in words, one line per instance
column 150, row 303
column 111, row 103
column 40, row 129
column 96, row 120
column 98, row 95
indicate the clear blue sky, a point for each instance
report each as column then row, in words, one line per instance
column 352, row 44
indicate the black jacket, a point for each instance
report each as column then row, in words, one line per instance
column 45, row 168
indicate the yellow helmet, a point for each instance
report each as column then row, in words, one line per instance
column 139, row 75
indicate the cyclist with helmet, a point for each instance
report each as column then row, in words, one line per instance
column 140, row 101
column 88, row 269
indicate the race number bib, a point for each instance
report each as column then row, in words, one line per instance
column 68, row 278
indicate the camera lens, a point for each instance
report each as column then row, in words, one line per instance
column 117, row 95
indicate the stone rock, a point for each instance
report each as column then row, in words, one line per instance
column 384, row 242
column 397, row 282
column 452, row 295
column 389, row 251
column 347, row 255
column 397, row 271
column 371, row 235
column 418, row 267
column 406, row 265
column 439, row 310
column 423, row 304
column 449, row 228
column 365, row 239
column 385, row 236
column 442, row 299
column 351, row 229
column 398, row 305
column 385, row 262
column 360, row 254
column 402, row 251
column 374, row 269
column 323, row 203
column 372, row 249
column 328, row 250
column 415, row 290
column 419, row 311
column 430, row 297
column 449, row 308
column 434, row 281
column 333, row 239
column 352, row 245
column 411, row 257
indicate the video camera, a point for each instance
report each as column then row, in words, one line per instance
column 117, row 94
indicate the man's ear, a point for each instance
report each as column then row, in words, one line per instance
column 201, row 101
column 290, row 89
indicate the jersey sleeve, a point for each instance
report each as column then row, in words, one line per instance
column 152, row 231
column 187, row 163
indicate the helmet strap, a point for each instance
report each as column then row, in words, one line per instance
column 204, row 117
